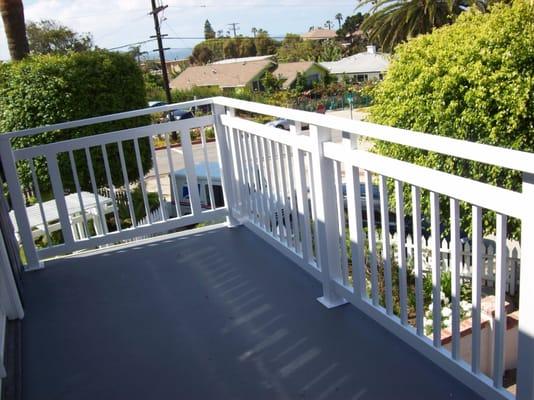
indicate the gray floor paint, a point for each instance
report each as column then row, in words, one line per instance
column 218, row 315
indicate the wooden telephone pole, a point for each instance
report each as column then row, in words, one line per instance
column 155, row 11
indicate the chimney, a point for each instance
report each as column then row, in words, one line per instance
column 371, row 49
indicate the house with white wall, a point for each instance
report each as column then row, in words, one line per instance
column 361, row 67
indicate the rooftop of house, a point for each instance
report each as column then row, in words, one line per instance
column 244, row 59
column 319, row 34
column 289, row 71
column 236, row 74
column 367, row 61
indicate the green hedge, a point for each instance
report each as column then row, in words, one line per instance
column 49, row 89
column 473, row 80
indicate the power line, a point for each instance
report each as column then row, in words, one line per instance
column 182, row 38
column 267, row 5
column 131, row 44
column 245, row 37
column 173, row 31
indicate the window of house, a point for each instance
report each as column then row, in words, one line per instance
column 312, row 78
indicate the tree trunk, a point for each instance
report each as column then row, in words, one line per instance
column 15, row 27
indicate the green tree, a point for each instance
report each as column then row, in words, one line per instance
column 339, row 18
column 230, row 49
column 50, row 37
column 351, row 24
column 48, row 89
column 209, row 33
column 352, row 34
column 293, row 48
column 301, row 83
column 201, row 55
column 394, row 21
column 265, row 45
column 330, row 51
column 481, row 90
column 208, row 51
column 136, row 53
column 13, row 17
column 271, row 83
column 246, row 47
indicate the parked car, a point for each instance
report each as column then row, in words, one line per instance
column 284, row 124
column 177, row 115
column 173, row 115
column 280, row 124
column 156, row 103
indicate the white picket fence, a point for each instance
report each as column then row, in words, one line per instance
column 513, row 255
column 153, row 217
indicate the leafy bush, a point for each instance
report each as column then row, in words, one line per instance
column 196, row 92
column 473, row 80
column 49, row 89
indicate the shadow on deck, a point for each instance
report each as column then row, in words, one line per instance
column 212, row 315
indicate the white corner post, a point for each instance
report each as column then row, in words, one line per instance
column 327, row 250
column 7, row 159
column 525, row 367
column 225, row 158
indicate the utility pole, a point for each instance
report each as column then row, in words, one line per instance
column 234, row 27
column 155, row 11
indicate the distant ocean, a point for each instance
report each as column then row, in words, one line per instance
column 174, row 54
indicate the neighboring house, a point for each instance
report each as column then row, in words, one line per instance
column 288, row 71
column 176, row 66
column 319, row 34
column 233, row 75
column 366, row 66
column 244, row 59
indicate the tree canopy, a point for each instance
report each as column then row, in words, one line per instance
column 339, row 19
column 394, row 21
column 48, row 89
column 351, row 24
column 209, row 33
column 473, row 80
column 294, row 48
column 225, row 47
column 50, row 37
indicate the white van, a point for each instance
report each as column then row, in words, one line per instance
column 179, row 183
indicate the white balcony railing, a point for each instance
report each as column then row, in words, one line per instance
column 289, row 188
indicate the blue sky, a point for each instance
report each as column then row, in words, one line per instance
column 115, row 23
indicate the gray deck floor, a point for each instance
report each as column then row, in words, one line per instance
column 216, row 315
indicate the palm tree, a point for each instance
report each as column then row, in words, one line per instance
column 13, row 16
column 254, row 31
column 328, row 24
column 393, row 21
column 339, row 18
